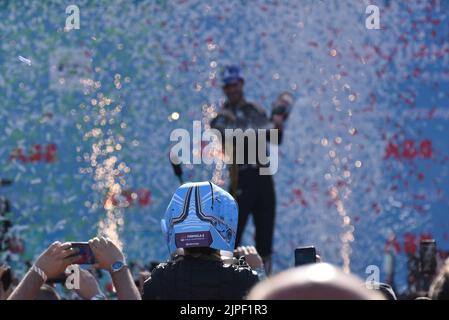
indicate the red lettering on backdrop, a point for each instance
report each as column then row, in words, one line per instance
column 35, row 155
column 392, row 150
column 130, row 198
column 17, row 154
column 410, row 243
column 426, row 149
column 409, row 150
column 392, row 242
column 425, row 236
column 144, row 197
column 50, row 153
column 128, row 195
column 299, row 197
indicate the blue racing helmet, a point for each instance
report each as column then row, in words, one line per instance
column 200, row 214
column 231, row 75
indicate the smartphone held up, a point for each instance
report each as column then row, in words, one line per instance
column 305, row 255
column 84, row 250
column 428, row 256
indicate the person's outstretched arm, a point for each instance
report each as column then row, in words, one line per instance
column 107, row 254
column 50, row 264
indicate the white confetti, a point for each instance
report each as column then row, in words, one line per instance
column 25, row 60
column 36, row 181
column 70, row 199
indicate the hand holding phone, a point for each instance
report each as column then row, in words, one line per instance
column 305, row 255
column 428, row 256
column 87, row 256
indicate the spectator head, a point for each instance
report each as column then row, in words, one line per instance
column 423, row 298
column 231, row 75
column 232, row 82
column 319, row 281
column 200, row 215
column 439, row 290
column 47, row 292
column 385, row 289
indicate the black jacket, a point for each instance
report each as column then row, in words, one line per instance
column 199, row 279
column 245, row 115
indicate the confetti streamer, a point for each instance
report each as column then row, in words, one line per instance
column 25, row 60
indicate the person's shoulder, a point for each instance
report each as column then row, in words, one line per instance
column 152, row 287
column 242, row 269
column 161, row 268
column 163, row 265
column 245, row 276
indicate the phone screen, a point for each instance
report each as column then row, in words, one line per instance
column 87, row 256
column 305, row 255
column 427, row 254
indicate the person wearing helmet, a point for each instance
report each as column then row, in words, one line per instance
column 199, row 225
column 254, row 192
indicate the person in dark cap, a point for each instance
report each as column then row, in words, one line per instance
column 255, row 193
